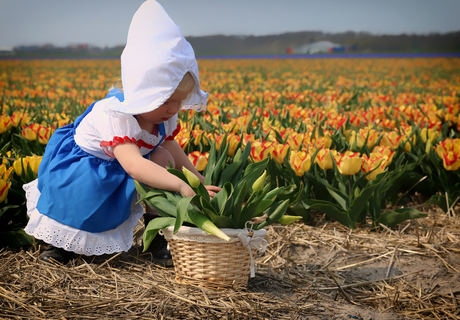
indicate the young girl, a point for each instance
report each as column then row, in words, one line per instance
column 84, row 201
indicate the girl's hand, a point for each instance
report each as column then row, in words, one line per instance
column 186, row 190
column 212, row 190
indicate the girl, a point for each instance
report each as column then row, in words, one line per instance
column 83, row 201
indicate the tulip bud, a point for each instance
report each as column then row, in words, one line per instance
column 191, row 178
column 237, row 155
column 286, row 219
column 259, row 183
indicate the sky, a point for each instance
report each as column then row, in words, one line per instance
column 105, row 23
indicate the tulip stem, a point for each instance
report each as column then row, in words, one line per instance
column 349, row 189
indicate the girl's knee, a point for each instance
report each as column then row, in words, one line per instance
column 162, row 157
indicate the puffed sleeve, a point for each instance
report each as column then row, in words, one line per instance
column 116, row 127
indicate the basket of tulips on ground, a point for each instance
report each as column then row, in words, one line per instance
column 213, row 241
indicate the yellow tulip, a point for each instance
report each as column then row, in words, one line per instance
column 4, row 187
column 261, row 150
column 197, row 134
column 370, row 164
column 323, row 158
column 233, row 140
column 5, row 123
column 391, row 139
column 280, row 152
column 198, row 159
column 300, row 162
column 429, row 135
column 349, row 164
column 449, row 151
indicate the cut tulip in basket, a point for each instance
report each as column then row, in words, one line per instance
column 213, row 242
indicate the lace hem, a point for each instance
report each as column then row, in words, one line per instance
column 78, row 241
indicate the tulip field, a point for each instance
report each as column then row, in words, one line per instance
column 353, row 139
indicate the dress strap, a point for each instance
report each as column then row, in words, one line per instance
column 117, row 93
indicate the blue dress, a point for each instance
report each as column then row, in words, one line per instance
column 79, row 196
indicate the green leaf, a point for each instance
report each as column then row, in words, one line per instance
column 298, row 209
column 208, row 171
column 392, row 218
column 153, row 227
column 222, row 201
column 162, row 206
column 182, row 212
column 238, row 199
column 228, row 172
column 244, row 158
column 15, row 238
column 360, row 202
column 332, row 211
column 274, row 214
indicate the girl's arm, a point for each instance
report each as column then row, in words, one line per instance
column 148, row 172
column 181, row 160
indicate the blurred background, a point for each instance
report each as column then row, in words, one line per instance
column 250, row 27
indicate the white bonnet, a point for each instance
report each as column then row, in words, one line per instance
column 154, row 61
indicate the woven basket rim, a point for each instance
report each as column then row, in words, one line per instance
column 195, row 231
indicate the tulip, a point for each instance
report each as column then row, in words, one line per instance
column 429, row 135
column 233, row 141
column 370, row 164
column 261, row 150
column 197, row 134
column 295, row 140
column 383, row 151
column 199, row 160
column 391, row 139
column 349, row 163
column 192, row 179
column 183, row 137
column 20, row 118
column 4, row 187
column 300, row 162
column 5, row 123
column 280, row 152
column 32, row 161
column 259, row 183
column 5, row 173
column 357, row 140
column 287, row 219
column 323, row 158
column 449, row 151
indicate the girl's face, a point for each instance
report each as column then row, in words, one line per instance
column 164, row 112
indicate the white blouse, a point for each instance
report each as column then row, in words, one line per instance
column 103, row 128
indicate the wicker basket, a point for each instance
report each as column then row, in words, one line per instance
column 208, row 261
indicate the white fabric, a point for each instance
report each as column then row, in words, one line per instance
column 155, row 59
column 75, row 240
column 104, row 124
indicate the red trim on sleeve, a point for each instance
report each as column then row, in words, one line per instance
column 117, row 140
column 175, row 132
